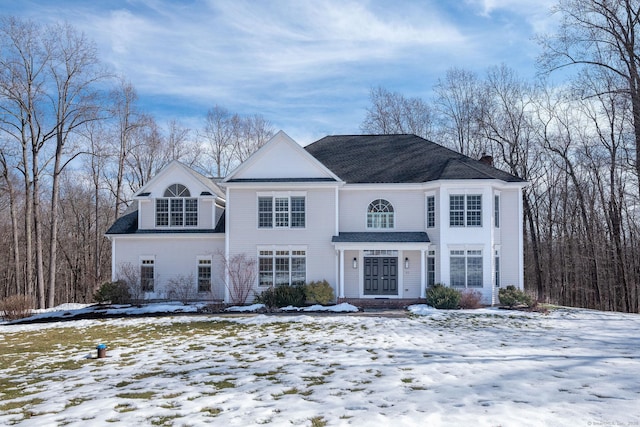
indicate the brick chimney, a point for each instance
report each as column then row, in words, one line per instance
column 486, row 159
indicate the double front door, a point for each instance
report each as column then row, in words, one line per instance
column 381, row 276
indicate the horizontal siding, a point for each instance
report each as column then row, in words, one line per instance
column 510, row 241
column 244, row 235
column 175, row 258
column 409, row 209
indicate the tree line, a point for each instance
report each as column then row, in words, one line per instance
column 74, row 147
column 577, row 144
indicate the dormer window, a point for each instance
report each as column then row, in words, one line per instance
column 380, row 214
column 177, row 208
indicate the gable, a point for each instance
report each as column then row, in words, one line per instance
column 398, row 159
column 177, row 173
column 281, row 159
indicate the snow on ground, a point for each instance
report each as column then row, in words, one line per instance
column 471, row 367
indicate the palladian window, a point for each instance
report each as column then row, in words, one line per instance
column 380, row 214
column 176, row 208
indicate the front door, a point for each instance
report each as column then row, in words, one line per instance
column 381, row 276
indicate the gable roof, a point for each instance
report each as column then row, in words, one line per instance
column 209, row 184
column 398, row 159
column 266, row 164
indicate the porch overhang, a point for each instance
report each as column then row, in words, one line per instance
column 373, row 240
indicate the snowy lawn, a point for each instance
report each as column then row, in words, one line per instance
column 482, row 367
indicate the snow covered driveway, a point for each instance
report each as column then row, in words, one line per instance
column 479, row 367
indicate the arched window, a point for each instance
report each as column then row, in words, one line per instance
column 176, row 209
column 380, row 214
column 177, row 190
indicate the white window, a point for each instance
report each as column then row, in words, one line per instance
column 147, row 273
column 497, row 267
column 496, row 211
column 176, row 208
column 282, row 267
column 204, row 275
column 466, row 268
column 465, row 210
column 281, row 212
column 431, row 268
column 431, row 211
column 380, row 214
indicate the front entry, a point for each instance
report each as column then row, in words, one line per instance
column 381, row 276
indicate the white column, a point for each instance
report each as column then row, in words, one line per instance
column 423, row 274
column 341, row 281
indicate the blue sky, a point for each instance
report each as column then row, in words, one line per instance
column 306, row 66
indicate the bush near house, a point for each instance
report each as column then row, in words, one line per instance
column 113, row 292
column 319, row 292
column 512, row 297
column 281, row 296
column 470, row 299
column 16, row 307
column 440, row 296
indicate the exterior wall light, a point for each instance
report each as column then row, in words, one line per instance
column 355, row 262
column 406, row 263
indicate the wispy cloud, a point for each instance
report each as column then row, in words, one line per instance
column 299, row 63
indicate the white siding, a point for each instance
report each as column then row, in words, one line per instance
column 175, row 257
column 245, row 237
column 411, row 283
column 408, row 206
column 510, row 244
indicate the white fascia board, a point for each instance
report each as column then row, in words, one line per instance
column 283, row 184
column 213, row 236
column 362, row 246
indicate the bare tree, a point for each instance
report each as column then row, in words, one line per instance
column 239, row 276
column 600, row 34
column 393, row 113
column 459, row 104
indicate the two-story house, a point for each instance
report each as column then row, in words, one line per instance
column 377, row 216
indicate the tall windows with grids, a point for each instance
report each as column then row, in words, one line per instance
column 204, row 275
column 282, row 267
column 147, row 274
column 431, row 211
column 466, row 268
column 465, row 210
column 431, row 268
column 176, row 208
column 281, row 212
column 380, row 214
column 496, row 211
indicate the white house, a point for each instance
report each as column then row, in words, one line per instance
column 377, row 216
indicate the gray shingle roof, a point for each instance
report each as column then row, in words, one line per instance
column 382, row 237
column 398, row 159
column 128, row 224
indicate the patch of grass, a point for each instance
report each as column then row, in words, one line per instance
column 293, row 390
column 314, row 380
column 166, row 420
column 407, row 380
column 8, row 406
column 212, row 412
column 318, row 422
column 141, row 395
column 124, row 407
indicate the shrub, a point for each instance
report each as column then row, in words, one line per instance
column 113, row 292
column 319, row 293
column 511, row 297
column 182, row 288
column 440, row 296
column 470, row 299
column 16, row 307
column 281, row 296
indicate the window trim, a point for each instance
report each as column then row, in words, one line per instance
column 466, row 254
column 430, row 211
column 187, row 211
column 273, row 253
column 146, row 261
column 376, row 219
column 463, row 217
column 205, row 261
column 496, row 210
column 276, row 217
